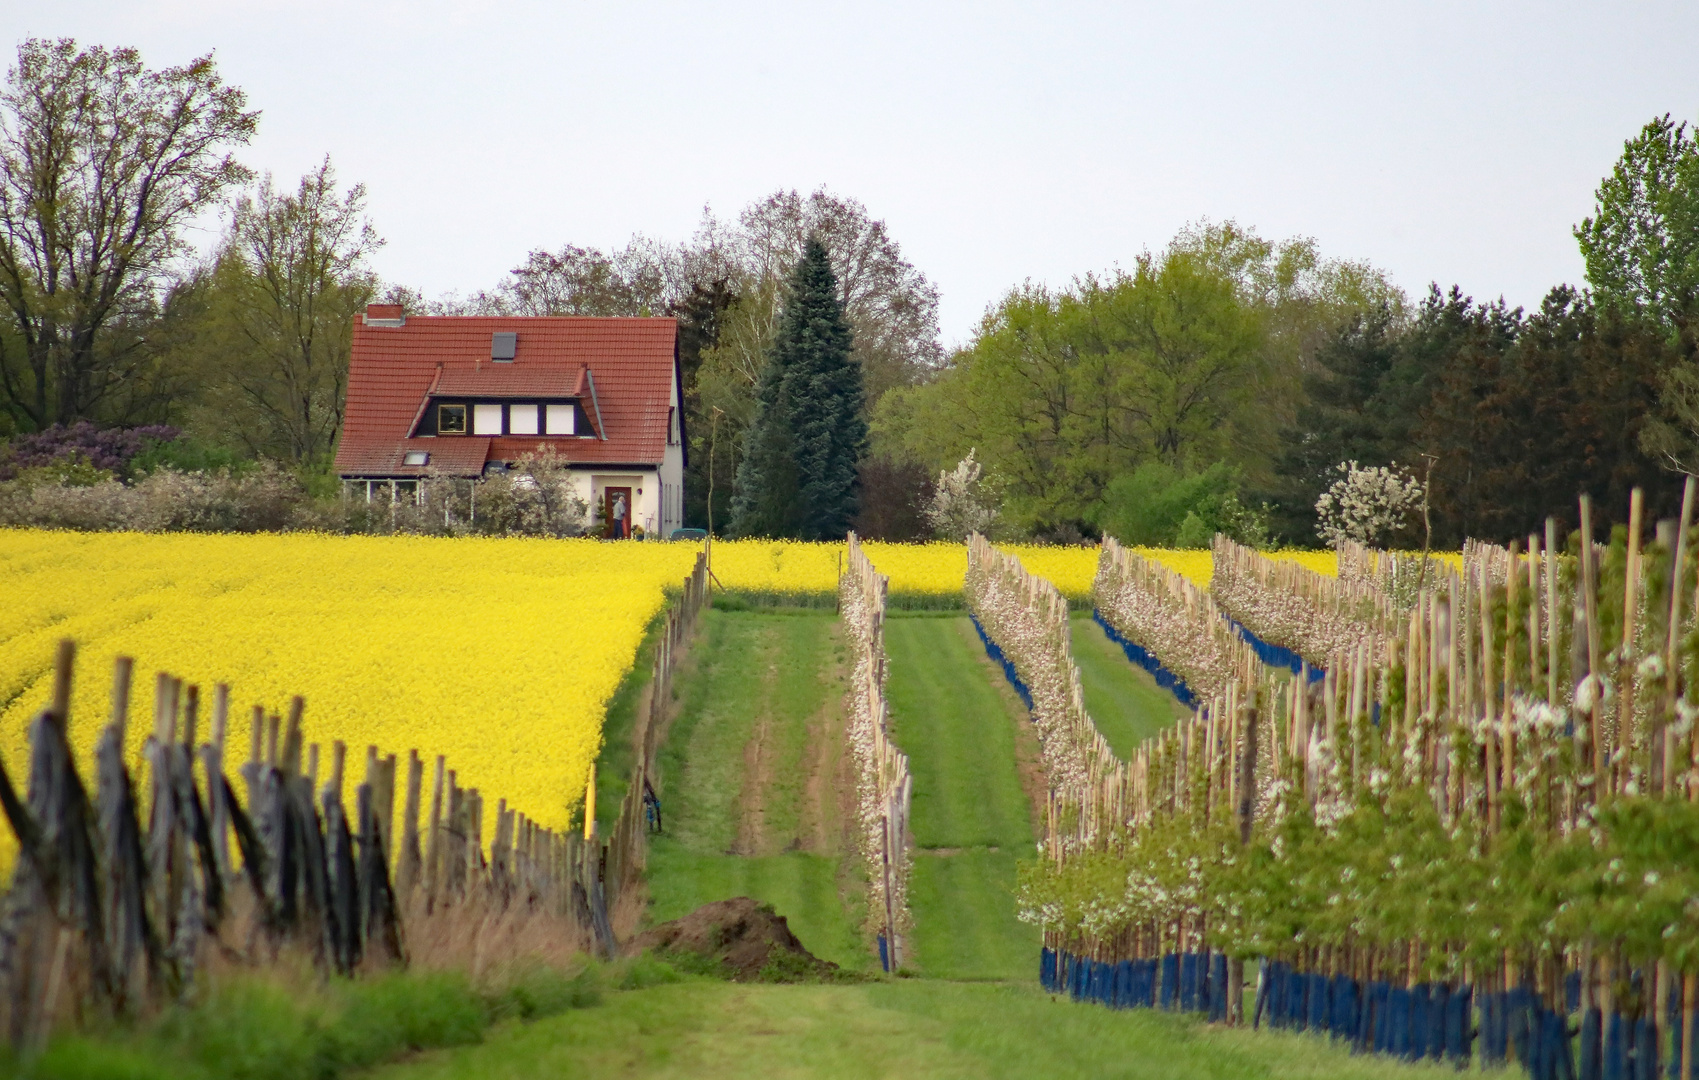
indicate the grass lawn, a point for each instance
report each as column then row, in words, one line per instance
column 900, row 1028
column 749, row 780
column 1124, row 701
column 971, row 818
column 964, row 911
column 958, row 728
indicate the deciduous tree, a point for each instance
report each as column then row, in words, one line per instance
column 103, row 163
column 290, row 281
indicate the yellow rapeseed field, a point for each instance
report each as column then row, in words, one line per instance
column 1321, row 562
column 500, row 654
column 1072, row 569
column 802, row 568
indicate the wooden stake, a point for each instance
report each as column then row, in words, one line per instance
column 123, row 669
column 1627, row 675
column 1672, row 652
column 433, row 836
column 1551, row 611
column 1590, row 601
column 64, row 664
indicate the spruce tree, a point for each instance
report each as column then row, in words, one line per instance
column 804, row 446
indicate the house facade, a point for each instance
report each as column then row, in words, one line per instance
column 450, row 396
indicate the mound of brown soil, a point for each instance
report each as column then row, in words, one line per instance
column 737, row 939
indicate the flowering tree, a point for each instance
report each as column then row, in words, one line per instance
column 961, row 502
column 1367, row 503
column 106, row 449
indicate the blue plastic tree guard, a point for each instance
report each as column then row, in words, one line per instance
column 996, row 655
column 1144, row 658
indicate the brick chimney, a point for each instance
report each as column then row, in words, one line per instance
column 384, row 315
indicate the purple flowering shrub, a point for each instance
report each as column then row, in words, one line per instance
column 107, row 449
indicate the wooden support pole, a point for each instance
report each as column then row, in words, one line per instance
column 123, row 670
column 1551, row 612
column 1590, row 603
column 407, row 876
column 433, row 835
column 64, row 664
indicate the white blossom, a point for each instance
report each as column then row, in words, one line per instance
column 1366, row 504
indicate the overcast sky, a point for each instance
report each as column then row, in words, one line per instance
column 1456, row 143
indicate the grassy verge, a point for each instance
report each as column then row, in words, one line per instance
column 749, row 784
column 964, row 912
column 619, row 753
column 264, row 1028
column 1124, row 701
column 971, row 817
column 902, row 1028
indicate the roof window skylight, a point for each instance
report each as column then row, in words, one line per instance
column 417, row 457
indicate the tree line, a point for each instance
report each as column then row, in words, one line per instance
column 1215, row 384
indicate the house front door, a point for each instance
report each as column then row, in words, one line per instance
column 616, row 513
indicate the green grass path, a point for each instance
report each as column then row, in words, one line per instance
column 971, row 819
column 902, row 1028
column 746, row 809
column 1124, row 701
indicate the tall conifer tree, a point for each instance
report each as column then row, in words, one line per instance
column 803, row 449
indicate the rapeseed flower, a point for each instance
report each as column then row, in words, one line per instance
column 500, row 654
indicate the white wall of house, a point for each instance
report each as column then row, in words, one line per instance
column 591, row 486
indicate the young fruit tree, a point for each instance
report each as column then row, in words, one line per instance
column 1367, row 503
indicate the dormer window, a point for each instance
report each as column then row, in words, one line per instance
column 522, row 419
column 497, row 418
column 486, row 418
column 560, row 419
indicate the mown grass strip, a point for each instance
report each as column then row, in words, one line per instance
column 734, row 782
column 971, row 820
column 1124, row 701
column 959, row 733
column 964, row 908
column 901, row 1028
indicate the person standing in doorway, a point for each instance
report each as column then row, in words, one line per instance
column 620, row 517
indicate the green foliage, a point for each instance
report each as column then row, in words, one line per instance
column 105, row 164
column 72, row 470
column 1641, row 243
column 1158, row 505
column 256, row 1029
column 535, row 990
column 187, row 454
column 804, row 446
column 1191, row 357
column 1516, row 413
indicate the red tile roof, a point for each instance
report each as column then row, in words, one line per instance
column 506, row 380
column 393, row 368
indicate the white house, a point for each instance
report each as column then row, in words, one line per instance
column 452, row 395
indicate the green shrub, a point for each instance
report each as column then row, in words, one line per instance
column 1158, row 505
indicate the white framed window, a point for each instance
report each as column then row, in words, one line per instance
column 560, row 420
column 486, row 419
column 522, row 419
